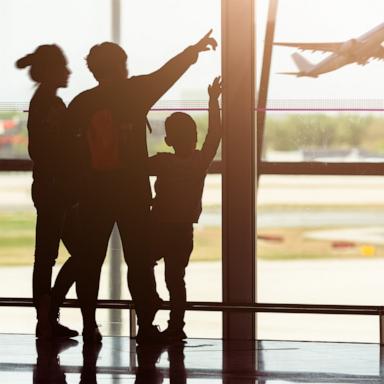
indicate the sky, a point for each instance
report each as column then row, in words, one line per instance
column 154, row 30
column 322, row 21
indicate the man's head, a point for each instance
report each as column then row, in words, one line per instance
column 181, row 132
column 107, row 62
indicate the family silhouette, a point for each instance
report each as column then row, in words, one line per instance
column 91, row 171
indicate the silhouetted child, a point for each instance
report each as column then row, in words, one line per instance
column 177, row 204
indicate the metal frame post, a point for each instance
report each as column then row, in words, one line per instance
column 132, row 323
column 115, row 243
column 239, row 160
column 116, row 21
column 264, row 80
column 381, row 326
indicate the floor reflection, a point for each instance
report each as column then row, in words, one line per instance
column 148, row 356
column 208, row 361
column 47, row 368
column 89, row 370
column 147, row 371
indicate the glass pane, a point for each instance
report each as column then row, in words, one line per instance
column 303, row 21
column 319, row 238
column 17, row 236
column 152, row 38
column 74, row 25
column 29, row 24
column 340, row 328
column 13, row 135
column 336, row 116
column 17, row 221
column 324, row 136
column 91, row 19
column 320, row 241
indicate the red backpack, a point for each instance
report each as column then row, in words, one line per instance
column 103, row 141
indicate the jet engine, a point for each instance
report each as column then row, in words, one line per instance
column 348, row 47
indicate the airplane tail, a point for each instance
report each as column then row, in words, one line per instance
column 302, row 63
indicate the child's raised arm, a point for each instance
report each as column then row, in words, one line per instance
column 213, row 137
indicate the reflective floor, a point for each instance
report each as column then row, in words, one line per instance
column 22, row 360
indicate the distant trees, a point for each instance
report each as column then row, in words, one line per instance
column 324, row 131
column 283, row 132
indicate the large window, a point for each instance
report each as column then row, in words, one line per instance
column 151, row 32
column 319, row 236
column 25, row 25
column 332, row 117
column 321, row 150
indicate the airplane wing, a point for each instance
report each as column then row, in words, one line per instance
column 379, row 55
column 322, row 47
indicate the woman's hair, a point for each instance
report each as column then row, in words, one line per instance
column 42, row 61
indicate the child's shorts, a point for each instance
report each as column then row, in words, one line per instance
column 171, row 240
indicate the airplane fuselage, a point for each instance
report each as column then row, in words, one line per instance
column 358, row 51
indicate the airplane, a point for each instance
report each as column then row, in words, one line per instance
column 360, row 50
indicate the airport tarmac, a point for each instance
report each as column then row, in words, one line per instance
column 341, row 281
column 307, row 282
column 273, row 189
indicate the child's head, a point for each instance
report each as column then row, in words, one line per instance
column 181, row 132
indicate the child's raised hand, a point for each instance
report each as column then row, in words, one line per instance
column 215, row 89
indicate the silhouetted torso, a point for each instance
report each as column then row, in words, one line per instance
column 45, row 131
column 180, row 183
column 111, row 123
column 113, row 137
column 179, row 187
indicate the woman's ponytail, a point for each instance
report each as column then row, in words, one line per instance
column 25, row 61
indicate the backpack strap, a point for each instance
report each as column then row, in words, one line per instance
column 148, row 124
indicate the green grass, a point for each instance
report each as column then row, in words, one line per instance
column 17, row 243
column 16, row 238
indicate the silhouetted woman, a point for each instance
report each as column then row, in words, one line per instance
column 54, row 202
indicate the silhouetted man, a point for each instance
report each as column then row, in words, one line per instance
column 110, row 121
